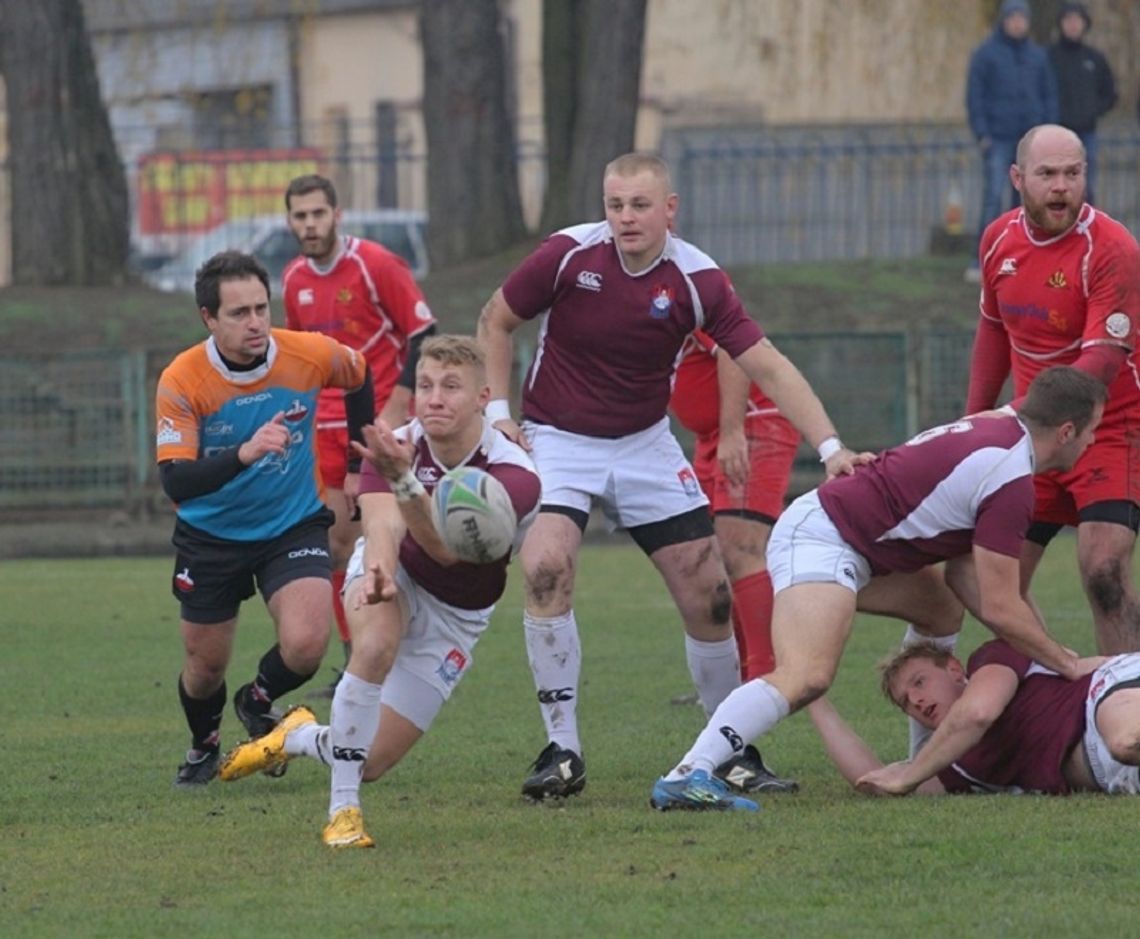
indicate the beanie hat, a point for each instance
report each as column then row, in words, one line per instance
column 1078, row 8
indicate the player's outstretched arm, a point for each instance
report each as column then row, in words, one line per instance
column 990, row 689
column 781, row 381
column 845, row 748
column 732, row 446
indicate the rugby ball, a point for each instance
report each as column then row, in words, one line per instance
column 473, row 515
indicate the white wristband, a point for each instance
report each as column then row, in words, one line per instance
column 829, row 447
column 498, row 410
column 407, row 487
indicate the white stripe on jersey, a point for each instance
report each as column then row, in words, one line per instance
column 953, row 504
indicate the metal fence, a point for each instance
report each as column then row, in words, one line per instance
column 749, row 195
column 77, row 431
column 762, row 195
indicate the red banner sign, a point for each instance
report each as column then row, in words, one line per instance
column 195, row 190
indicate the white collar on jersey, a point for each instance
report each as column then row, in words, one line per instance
column 666, row 254
column 414, row 431
column 241, row 378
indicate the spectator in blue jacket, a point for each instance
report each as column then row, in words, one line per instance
column 1086, row 88
column 1010, row 88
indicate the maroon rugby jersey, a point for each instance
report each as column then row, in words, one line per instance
column 1025, row 748
column 610, row 340
column 937, row 495
column 467, row 586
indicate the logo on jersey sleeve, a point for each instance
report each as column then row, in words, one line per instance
column 1008, row 266
column 661, row 303
column 452, row 666
column 423, row 312
column 1118, row 325
column 1057, row 279
column 167, row 433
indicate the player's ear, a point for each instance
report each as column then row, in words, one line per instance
column 955, row 670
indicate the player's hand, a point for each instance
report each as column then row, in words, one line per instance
column 509, row 427
column 377, row 586
column 270, row 437
column 843, row 462
column 1086, row 666
column 351, row 490
column 732, row 455
column 890, row 780
column 390, row 456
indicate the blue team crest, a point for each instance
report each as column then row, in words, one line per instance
column 662, row 303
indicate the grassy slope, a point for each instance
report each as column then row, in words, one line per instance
column 846, row 296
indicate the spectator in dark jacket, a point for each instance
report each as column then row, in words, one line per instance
column 1085, row 85
column 1010, row 88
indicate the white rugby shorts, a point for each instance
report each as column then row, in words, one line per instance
column 636, row 480
column 1110, row 775
column 806, row 547
column 435, row 653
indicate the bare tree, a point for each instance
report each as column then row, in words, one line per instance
column 473, row 192
column 591, row 66
column 69, row 204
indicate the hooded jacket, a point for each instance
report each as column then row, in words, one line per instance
column 1010, row 87
column 1085, row 86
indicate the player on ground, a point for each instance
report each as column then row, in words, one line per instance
column 236, row 452
column 415, row 611
column 743, row 460
column 617, row 300
column 1061, row 286
column 364, row 296
column 871, row 541
column 1003, row 724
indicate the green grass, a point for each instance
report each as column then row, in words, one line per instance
column 94, row 841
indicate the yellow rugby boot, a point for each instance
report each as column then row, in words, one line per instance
column 266, row 752
column 346, row 830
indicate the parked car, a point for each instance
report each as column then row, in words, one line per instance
column 268, row 238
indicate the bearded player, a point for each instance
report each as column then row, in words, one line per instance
column 1061, row 286
column 364, row 296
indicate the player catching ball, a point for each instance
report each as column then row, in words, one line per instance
column 414, row 609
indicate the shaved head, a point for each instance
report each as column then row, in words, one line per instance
column 1046, row 138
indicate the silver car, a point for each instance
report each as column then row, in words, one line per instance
column 268, row 238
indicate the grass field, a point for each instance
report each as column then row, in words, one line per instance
column 95, row 842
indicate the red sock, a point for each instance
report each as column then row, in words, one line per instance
column 338, row 606
column 752, row 623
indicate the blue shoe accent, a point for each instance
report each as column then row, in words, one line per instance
column 698, row 791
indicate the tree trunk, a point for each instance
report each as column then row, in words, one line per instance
column 592, row 54
column 69, row 206
column 473, row 193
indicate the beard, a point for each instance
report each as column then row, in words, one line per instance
column 1048, row 215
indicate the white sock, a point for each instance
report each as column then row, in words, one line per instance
column 352, row 727
column 917, row 735
column 310, row 740
column 715, row 669
column 751, row 710
column 556, row 661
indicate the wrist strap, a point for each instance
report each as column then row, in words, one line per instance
column 829, row 447
column 407, row 487
column 498, row 410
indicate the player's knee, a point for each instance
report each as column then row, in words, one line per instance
column 303, row 653
column 1104, row 581
column 720, row 612
column 549, row 581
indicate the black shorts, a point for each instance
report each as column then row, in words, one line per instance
column 212, row 576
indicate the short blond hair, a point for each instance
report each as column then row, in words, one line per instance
column 890, row 667
column 630, row 164
column 449, row 349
